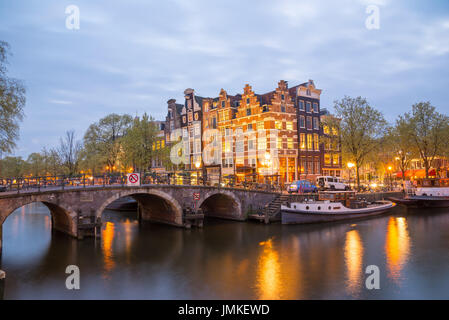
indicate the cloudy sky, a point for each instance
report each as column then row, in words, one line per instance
column 132, row 56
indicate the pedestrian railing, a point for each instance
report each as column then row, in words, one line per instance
column 61, row 182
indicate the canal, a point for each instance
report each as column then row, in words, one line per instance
column 229, row 260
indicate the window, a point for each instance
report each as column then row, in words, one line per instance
column 301, row 105
column 251, row 144
column 248, row 112
column 316, row 143
column 282, row 97
column 309, row 123
column 308, row 92
column 239, row 145
column 289, row 125
column 247, row 101
column 302, row 122
column 262, row 143
column 250, row 127
column 290, row 143
column 336, row 159
column 260, row 125
column 282, row 108
column 327, row 159
column 223, row 104
column 197, row 130
column 326, row 129
column 264, row 108
column 302, row 141
column 197, row 146
column 279, row 143
column 317, row 165
column 278, row 125
column 316, row 123
column 308, row 107
column 214, row 123
column 315, row 107
column 309, row 142
column 252, row 162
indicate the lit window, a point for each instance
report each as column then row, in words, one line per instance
column 289, row 125
column 260, row 125
column 309, row 142
column 302, row 141
column 290, row 143
column 278, row 125
column 316, row 143
column 279, row 144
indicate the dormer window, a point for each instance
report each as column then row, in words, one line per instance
column 223, row 104
column 247, row 101
column 282, row 97
column 308, row 92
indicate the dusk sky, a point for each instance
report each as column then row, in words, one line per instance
column 132, row 56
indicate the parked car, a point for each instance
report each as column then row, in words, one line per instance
column 331, row 183
column 302, row 186
column 3, row 188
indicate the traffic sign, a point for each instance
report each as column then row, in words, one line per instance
column 196, row 196
column 133, row 179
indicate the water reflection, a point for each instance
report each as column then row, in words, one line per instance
column 268, row 272
column 354, row 261
column 397, row 246
column 227, row 260
column 107, row 236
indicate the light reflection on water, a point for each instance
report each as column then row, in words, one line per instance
column 228, row 260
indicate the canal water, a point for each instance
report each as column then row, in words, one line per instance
column 229, row 260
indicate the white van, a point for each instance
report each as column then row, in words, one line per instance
column 331, row 183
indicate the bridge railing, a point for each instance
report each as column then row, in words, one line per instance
column 61, row 182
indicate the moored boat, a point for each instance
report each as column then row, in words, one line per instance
column 332, row 206
column 429, row 193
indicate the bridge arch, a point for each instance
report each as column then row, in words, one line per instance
column 62, row 219
column 221, row 204
column 155, row 205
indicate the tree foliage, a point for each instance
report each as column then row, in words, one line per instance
column 12, row 102
column 102, row 140
column 428, row 130
column 361, row 129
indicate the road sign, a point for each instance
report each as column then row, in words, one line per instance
column 133, row 179
column 196, row 196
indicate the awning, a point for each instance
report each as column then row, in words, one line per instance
column 418, row 173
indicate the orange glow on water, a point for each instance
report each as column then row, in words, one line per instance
column 107, row 240
column 353, row 260
column 268, row 272
column 397, row 246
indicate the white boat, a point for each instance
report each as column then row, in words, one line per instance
column 429, row 193
column 332, row 206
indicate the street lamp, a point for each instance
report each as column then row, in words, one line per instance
column 350, row 165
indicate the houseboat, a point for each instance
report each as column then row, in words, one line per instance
column 428, row 193
column 332, row 206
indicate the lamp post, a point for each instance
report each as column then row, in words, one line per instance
column 389, row 177
column 350, row 165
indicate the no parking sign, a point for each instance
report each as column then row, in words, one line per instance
column 133, row 179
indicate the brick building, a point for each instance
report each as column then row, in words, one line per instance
column 275, row 135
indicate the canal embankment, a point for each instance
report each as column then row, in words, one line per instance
column 368, row 196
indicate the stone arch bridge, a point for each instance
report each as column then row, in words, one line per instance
column 157, row 203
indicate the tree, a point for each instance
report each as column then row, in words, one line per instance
column 69, row 152
column 35, row 164
column 103, row 139
column 12, row 167
column 361, row 129
column 401, row 145
column 12, row 102
column 428, row 130
column 139, row 144
column 52, row 162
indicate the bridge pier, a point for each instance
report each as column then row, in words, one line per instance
column 1, row 239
